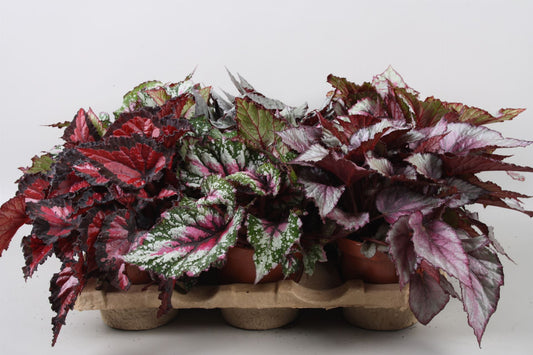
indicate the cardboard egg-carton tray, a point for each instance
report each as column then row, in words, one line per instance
column 261, row 306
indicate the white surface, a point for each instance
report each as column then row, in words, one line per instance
column 57, row 56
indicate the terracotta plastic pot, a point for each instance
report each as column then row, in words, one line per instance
column 136, row 275
column 378, row 269
column 240, row 268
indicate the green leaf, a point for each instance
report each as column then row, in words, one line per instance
column 265, row 180
column 217, row 191
column 132, row 97
column 40, row 164
column 259, row 126
column 271, row 241
column 313, row 256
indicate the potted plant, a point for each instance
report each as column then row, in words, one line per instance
column 171, row 184
column 396, row 173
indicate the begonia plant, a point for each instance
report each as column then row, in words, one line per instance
column 397, row 173
column 178, row 177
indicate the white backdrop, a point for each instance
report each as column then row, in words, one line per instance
column 57, row 56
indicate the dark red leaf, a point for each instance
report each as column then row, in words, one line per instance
column 113, row 242
column 133, row 162
column 166, row 287
column 35, row 253
column 471, row 164
column 65, row 288
column 80, row 130
column 34, row 187
column 12, row 217
column 91, row 173
column 52, row 219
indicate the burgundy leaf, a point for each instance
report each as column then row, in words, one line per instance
column 91, row 173
column 138, row 125
column 65, row 288
column 52, row 219
column 481, row 297
column 12, row 217
column 177, row 107
column 114, row 241
column 80, row 130
column 471, row 164
column 440, row 245
column 166, row 287
column 35, row 253
column 71, row 184
column 476, row 116
column 133, row 162
column 34, row 187
column 402, row 249
column 426, row 296
column 344, row 169
column 398, row 201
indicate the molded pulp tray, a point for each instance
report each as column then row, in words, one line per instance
column 262, row 306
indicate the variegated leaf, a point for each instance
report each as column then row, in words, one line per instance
column 271, row 241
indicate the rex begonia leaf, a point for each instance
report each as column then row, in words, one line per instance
column 116, row 239
column 463, row 137
column 135, row 99
column 326, row 197
column 402, row 249
column 217, row 191
column 34, row 187
column 12, row 217
column 52, row 219
column 259, row 126
column 265, row 180
column 426, row 296
column 395, row 202
column 390, row 78
column 439, row 244
column 369, row 136
column 312, row 256
column 471, row 164
column 426, row 164
column 346, row 170
column 91, row 173
column 137, row 125
column 81, row 130
column 349, row 92
column 477, row 116
column 220, row 157
column 187, row 240
column 65, row 287
column 381, row 165
column 159, row 95
column 133, row 161
column 481, row 297
column 35, row 253
column 314, row 153
column 166, row 287
column 301, row 138
column 271, row 241
column 349, row 221
column 40, row 164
